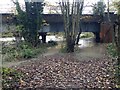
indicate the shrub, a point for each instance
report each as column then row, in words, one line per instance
column 27, row 53
column 86, row 35
column 10, row 77
column 23, row 51
column 7, row 34
column 112, row 50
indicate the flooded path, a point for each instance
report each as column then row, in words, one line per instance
column 85, row 50
column 87, row 67
column 91, row 69
column 96, row 51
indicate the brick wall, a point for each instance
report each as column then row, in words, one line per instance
column 106, row 32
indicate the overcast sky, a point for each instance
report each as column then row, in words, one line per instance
column 7, row 5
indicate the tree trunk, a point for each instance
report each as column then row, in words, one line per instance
column 78, row 38
column 118, row 59
column 18, row 38
column 43, row 37
column 71, row 16
column 69, row 44
column 118, row 40
column 97, row 39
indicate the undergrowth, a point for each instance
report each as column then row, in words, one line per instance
column 24, row 50
column 10, row 77
column 114, row 54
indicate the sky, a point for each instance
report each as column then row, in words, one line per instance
column 8, row 6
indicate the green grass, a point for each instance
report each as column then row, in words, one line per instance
column 86, row 35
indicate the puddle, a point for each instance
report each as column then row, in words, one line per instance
column 87, row 50
column 86, row 42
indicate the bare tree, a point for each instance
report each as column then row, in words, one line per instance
column 108, row 10
column 52, row 8
column 71, row 14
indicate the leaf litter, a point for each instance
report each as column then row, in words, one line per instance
column 65, row 71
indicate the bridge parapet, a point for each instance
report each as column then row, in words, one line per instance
column 57, row 18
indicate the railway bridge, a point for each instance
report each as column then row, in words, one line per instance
column 89, row 23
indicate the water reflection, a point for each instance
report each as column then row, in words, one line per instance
column 53, row 38
column 84, row 42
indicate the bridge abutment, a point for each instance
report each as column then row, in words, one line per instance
column 43, row 35
column 97, row 37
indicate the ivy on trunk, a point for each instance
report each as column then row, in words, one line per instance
column 31, row 19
